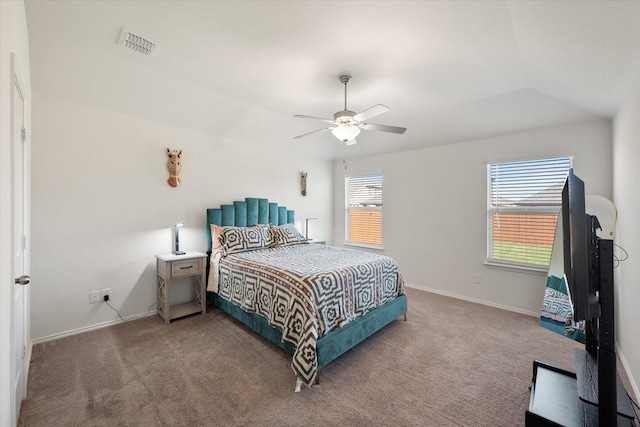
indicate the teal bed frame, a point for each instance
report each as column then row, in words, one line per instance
column 254, row 211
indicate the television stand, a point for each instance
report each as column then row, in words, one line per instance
column 587, row 368
column 555, row 400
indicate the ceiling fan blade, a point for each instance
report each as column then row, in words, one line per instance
column 371, row 112
column 311, row 133
column 383, row 128
column 312, row 117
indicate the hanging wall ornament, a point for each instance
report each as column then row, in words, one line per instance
column 174, row 165
column 303, row 183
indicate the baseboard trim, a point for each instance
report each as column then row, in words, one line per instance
column 92, row 327
column 474, row 300
column 627, row 370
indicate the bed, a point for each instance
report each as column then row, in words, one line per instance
column 314, row 301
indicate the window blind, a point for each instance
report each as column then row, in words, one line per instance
column 363, row 209
column 524, row 200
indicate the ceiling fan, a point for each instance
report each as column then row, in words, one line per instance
column 346, row 125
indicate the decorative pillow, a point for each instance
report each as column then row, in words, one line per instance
column 243, row 239
column 215, row 236
column 287, row 234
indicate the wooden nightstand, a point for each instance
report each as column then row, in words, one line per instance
column 169, row 266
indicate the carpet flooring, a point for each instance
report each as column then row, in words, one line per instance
column 452, row 363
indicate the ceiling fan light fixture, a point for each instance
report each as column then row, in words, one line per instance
column 345, row 133
column 346, row 124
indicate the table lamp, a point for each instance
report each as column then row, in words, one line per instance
column 306, row 228
column 177, row 233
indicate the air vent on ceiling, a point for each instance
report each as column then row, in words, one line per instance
column 137, row 43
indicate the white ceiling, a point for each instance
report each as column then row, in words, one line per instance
column 449, row 70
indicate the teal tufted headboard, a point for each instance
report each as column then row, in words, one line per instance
column 248, row 213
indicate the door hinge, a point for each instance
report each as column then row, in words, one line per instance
column 24, row 351
column 23, row 134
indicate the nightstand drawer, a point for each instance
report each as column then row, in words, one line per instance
column 186, row 268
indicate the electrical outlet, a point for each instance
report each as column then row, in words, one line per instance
column 106, row 292
column 478, row 279
column 94, row 296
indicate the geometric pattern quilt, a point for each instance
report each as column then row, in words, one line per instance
column 557, row 305
column 307, row 291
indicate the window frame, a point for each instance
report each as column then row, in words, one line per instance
column 348, row 209
column 540, row 209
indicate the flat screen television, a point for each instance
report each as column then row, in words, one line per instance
column 579, row 244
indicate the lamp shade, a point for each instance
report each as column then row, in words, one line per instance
column 345, row 133
column 177, row 250
column 306, row 228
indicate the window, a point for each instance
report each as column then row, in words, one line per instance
column 363, row 209
column 523, row 204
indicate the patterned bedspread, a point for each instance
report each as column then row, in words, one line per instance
column 307, row 291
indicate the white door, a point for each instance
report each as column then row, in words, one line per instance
column 19, row 367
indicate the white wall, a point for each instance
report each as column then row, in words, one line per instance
column 102, row 207
column 626, row 196
column 434, row 217
column 13, row 39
